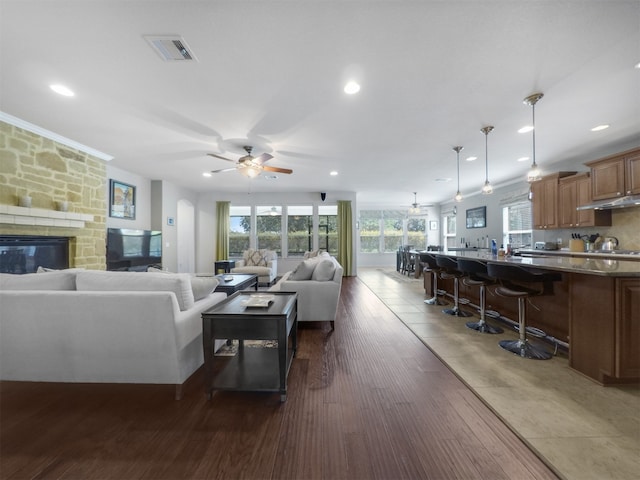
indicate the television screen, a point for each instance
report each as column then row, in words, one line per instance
column 130, row 249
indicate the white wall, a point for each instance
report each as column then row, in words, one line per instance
column 166, row 199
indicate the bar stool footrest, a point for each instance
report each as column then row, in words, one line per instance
column 533, row 331
column 484, row 327
column 456, row 312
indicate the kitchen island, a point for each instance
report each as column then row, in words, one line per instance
column 595, row 310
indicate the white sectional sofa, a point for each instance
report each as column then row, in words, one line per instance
column 318, row 281
column 106, row 327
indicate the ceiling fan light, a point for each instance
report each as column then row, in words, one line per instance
column 250, row 171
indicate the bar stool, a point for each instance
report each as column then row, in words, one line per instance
column 476, row 275
column 430, row 265
column 449, row 268
column 510, row 277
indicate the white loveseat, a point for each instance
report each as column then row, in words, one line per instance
column 318, row 281
column 105, row 327
column 263, row 263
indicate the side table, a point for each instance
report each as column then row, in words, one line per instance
column 223, row 265
column 251, row 369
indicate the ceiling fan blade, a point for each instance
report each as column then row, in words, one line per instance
column 224, row 170
column 276, row 169
column 221, row 158
column 265, row 157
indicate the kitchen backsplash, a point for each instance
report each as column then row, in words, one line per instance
column 625, row 226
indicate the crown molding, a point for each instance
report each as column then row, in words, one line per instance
column 17, row 122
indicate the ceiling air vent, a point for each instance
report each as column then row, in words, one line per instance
column 171, row 48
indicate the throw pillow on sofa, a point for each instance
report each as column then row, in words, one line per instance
column 203, row 286
column 324, row 271
column 257, row 258
column 200, row 286
column 304, row 270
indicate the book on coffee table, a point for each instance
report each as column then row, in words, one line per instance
column 259, row 300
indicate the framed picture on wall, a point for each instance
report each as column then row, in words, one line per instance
column 477, row 217
column 122, row 200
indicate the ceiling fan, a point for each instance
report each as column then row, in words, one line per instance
column 250, row 166
column 416, row 208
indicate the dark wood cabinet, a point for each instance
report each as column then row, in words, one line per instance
column 627, row 357
column 545, row 204
column 615, row 176
column 573, row 192
column 632, row 172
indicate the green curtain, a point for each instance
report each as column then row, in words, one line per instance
column 222, row 230
column 345, row 236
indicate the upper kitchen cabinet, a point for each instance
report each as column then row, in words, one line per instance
column 573, row 192
column 615, row 176
column 545, row 206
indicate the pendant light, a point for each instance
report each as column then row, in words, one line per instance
column 534, row 173
column 458, row 197
column 487, row 189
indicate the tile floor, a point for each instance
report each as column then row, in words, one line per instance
column 584, row 431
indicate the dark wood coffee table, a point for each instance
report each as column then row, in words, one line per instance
column 251, row 369
column 240, row 281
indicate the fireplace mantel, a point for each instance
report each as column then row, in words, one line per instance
column 10, row 214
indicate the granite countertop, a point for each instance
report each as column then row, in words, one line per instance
column 591, row 265
column 596, row 255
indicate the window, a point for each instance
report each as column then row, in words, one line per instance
column 269, row 228
column 299, row 230
column 384, row 231
column 328, row 228
column 449, row 222
column 239, row 230
column 370, row 231
column 417, row 232
column 517, row 225
column 393, row 232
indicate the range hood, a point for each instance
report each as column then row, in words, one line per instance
column 620, row 202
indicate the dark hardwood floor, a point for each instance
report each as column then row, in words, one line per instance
column 366, row 401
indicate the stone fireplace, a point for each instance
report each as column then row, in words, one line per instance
column 50, row 172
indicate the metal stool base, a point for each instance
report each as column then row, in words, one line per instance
column 524, row 349
column 483, row 327
column 456, row 312
column 436, row 301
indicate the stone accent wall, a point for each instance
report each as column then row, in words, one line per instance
column 50, row 172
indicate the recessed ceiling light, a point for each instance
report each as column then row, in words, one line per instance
column 637, row 65
column 526, row 129
column 523, row 159
column 62, row 90
column 207, row 174
column 351, row 88
column 333, row 173
column 442, row 180
column 599, row 127
column 471, row 159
